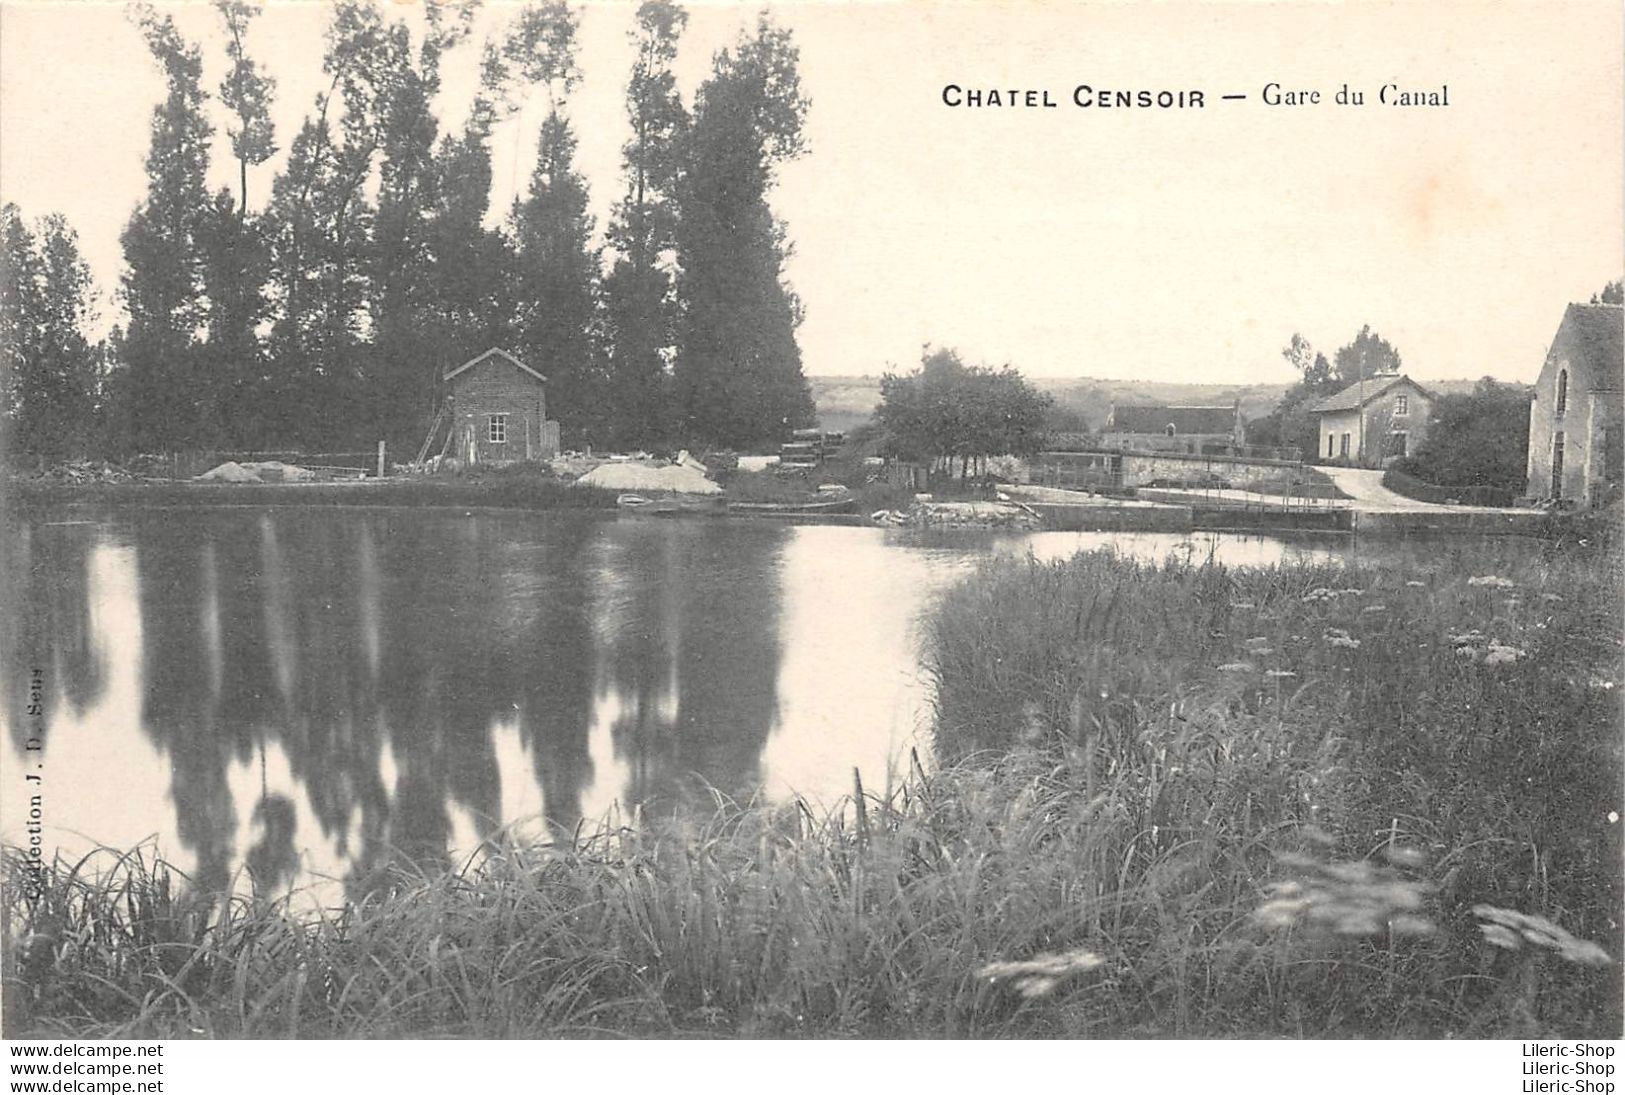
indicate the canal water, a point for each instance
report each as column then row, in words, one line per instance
column 298, row 698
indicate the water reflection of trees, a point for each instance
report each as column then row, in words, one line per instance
column 375, row 654
column 690, row 656
column 45, row 622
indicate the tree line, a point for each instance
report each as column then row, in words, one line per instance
column 324, row 317
column 946, row 411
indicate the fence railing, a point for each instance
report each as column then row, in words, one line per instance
column 1172, row 446
column 189, row 465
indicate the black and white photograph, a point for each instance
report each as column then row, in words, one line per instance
column 819, row 521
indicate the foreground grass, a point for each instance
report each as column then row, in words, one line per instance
column 1128, row 796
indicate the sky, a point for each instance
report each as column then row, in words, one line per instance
column 1158, row 244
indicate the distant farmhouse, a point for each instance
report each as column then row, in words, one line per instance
column 1195, row 430
column 498, row 411
column 1375, row 421
column 1575, row 419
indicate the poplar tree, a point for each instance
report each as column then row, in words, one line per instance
column 163, row 283
column 471, row 289
column 738, row 370
column 50, row 368
column 556, row 264
column 19, row 311
column 247, row 93
column 640, row 305
column 403, row 306
column 234, row 253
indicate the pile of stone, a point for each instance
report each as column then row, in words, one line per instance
column 86, row 471
column 973, row 515
column 933, row 514
column 685, row 476
column 265, row 471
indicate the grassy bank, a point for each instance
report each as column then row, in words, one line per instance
column 515, row 488
column 1174, row 800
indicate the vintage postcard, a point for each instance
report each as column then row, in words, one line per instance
column 858, row 520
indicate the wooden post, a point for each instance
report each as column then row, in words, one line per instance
column 380, row 459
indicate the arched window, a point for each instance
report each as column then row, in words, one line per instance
column 1562, row 393
column 1169, row 430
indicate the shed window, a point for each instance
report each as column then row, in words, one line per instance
column 1402, row 405
column 1169, row 429
column 1331, row 441
column 1343, row 447
column 496, row 429
column 1562, row 393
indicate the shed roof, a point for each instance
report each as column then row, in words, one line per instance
column 1597, row 332
column 1359, row 394
column 1156, row 419
column 493, row 352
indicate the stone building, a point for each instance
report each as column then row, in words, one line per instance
column 1574, row 419
column 498, row 408
column 1193, row 430
column 1373, row 422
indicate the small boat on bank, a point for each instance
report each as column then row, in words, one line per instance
column 670, row 505
column 791, row 509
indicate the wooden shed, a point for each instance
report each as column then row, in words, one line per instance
column 498, row 410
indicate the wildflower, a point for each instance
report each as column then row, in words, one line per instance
column 1401, row 855
column 1416, row 585
column 1466, row 638
column 1353, row 592
column 1550, row 597
column 1510, row 929
column 1374, row 608
column 1033, row 724
column 1280, row 912
column 1345, row 899
column 1613, row 817
column 1320, row 593
column 1039, row 976
column 1258, row 640
column 1236, row 667
column 1493, row 581
column 1501, row 655
column 1279, row 673
column 1336, row 636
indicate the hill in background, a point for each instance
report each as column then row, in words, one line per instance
column 846, row 401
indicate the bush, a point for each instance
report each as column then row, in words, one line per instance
column 1401, row 478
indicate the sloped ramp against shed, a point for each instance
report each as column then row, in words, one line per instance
column 497, row 407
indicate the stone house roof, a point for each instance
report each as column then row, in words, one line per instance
column 493, row 352
column 1596, row 338
column 1351, row 397
column 1185, row 420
